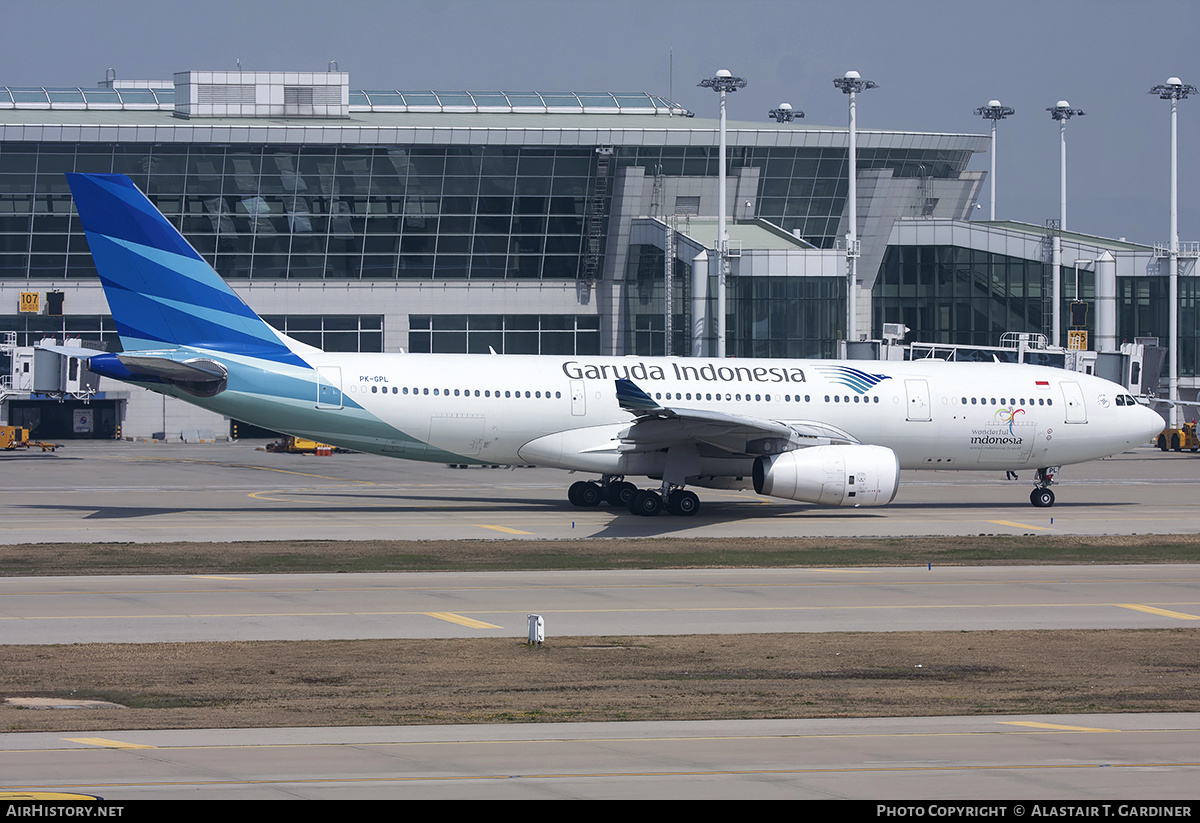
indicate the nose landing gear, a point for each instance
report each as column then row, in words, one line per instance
column 1042, row 497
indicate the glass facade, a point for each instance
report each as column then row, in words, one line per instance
column 341, row 333
column 961, row 296
column 785, row 316
column 31, row 328
column 316, row 212
column 445, row 212
column 799, row 189
column 332, row 332
column 794, row 317
column 1142, row 308
column 384, row 212
column 76, row 98
column 1073, row 315
column 504, row 333
column 397, row 100
column 954, row 295
column 645, row 295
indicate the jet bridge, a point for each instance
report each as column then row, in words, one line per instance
column 1136, row 365
column 50, row 391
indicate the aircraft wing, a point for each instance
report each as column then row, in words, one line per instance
column 658, row 427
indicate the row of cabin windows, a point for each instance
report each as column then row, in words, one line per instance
column 1012, row 401
column 786, row 398
column 1122, row 400
column 462, row 392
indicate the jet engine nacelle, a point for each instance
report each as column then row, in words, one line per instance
column 830, row 475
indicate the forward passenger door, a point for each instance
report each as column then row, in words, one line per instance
column 1073, row 396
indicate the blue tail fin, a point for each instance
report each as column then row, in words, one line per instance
column 160, row 291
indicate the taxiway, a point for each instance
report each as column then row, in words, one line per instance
column 92, row 491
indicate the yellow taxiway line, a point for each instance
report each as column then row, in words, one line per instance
column 1055, row 726
column 1019, row 525
column 108, row 744
column 504, row 529
column 1160, row 612
column 451, row 617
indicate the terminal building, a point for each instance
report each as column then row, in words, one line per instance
column 527, row 223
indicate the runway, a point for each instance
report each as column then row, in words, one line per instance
column 146, row 609
column 1083, row 758
column 92, row 491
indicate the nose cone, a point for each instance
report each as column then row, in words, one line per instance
column 1149, row 424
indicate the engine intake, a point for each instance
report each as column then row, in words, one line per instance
column 830, row 475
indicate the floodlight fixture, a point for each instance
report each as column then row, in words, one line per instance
column 995, row 112
column 851, row 83
column 1173, row 89
column 723, row 81
column 1063, row 112
column 785, row 113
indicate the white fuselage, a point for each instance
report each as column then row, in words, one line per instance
column 563, row 411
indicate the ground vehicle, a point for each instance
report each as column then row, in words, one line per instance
column 16, row 437
column 1179, row 439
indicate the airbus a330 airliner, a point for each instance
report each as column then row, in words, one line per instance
column 833, row 433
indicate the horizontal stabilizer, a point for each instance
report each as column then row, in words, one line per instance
column 173, row 370
column 199, row 376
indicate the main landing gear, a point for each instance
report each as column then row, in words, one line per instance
column 675, row 499
column 1041, row 496
column 645, row 502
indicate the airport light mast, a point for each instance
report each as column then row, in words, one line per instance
column 1174, row 90
column 785, row 113
column 995, row 112
column 1062, row 112
column 851, row 84
column 722, row 82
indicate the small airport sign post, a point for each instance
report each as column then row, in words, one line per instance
column 30, row 302
column 537, row 630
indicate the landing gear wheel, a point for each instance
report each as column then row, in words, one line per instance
column 646, row 503
column 684, row 503
column 1042, row 498
column 619, row 493
column 584, row 494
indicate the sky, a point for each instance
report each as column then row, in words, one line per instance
column 935, row 61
